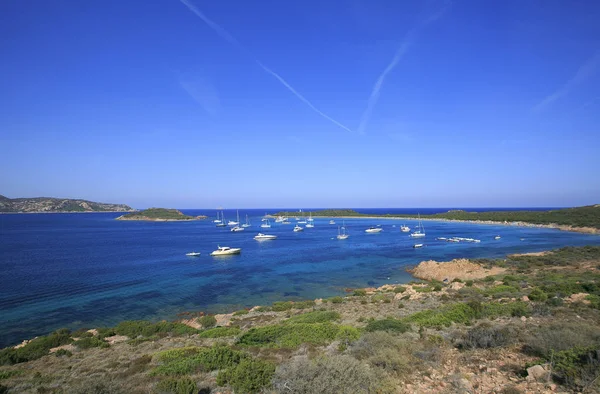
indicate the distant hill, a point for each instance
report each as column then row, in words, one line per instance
column 159, row 215
column 51, row 204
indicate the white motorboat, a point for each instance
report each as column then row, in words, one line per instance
column 237, row 229
column 309, row 225
column 404, row 228
column 373, row 230
column 193, row 254
column 332, row 221
column 298, row 228
column 302, row 221
column 225, row 251
column 221, row 223
column 420, row 232
column 286, row 221
column 247, row 224
column 279, row 219
column 265, row 224
column 342, row 232
column 497, row 237
column 264, row 237
column 416, row 246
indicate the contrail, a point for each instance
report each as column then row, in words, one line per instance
column 407, row 42
column 228, row 37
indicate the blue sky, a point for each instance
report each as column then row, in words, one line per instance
column 199, row 104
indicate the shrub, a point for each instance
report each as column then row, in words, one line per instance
column 336, row 300
column 555, row 301
column 136, row 328
column 360, row 292
column 281, row 306
column 63, row 352
column 387, row 325
column 177, row 386
column 219, row 332
column 315, row 317
column 399, row 289
column 263, row 309
column 486, row 336
column 330, row 375
column 241, row 312
column 290, row 335
column 386, row 351
column 406, row 297
column 437, row 288
column 558, row 337
column 457, row 280
column 90, row 342
column 469, row 283
column 538, row 295
column 401, row 305
column 578, row 367
column 9, row 373
column 36, row 348
column 207, row 321
column 249, row 376
column 188, row 360
column 303, row 304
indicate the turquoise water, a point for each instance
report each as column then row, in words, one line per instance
column 87, row 270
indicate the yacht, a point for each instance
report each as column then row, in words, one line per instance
column 286, row 221
column 298, row 228
column 309, row 225
column 193, row 254
column 332, row 221
column 416, row 246
column 237, row 224
column 217, row 220
column 234, row 223
column 342, row 232
column 264, row 237
column 237, row 229
column 226, row 250
column 497, row 237
column 404, row 228
column 221, row 223
column 373, row 230
column 279, row 219
column 265, row 224
column 247, row 224
column 420, row 232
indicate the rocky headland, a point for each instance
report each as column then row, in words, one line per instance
column 57, row 205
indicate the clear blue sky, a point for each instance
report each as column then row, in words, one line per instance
column 199, row 104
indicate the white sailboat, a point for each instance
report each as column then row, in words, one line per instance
column 237, row 224
column 233, row 223
column 217, row 220
column 247, row 224
column 265, row 224
column 221, row 223
column 342, row 232
column 420, row 232
column 310, row 219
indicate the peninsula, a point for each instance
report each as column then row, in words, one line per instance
column 53, row 205
column 159, row 215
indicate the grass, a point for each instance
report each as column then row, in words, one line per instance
column 220, row 332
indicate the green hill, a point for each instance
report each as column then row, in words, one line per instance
column 159, row 214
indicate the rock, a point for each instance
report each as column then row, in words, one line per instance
column 465, row 384
column 116, row 339
column 523, row 319
column 536, row 373
column 525, row 298
column 224, row 320
column 456, row 286
column 318, row 301
column 370, row 290
column 93, row 331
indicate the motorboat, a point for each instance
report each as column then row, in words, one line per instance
column 404, row 228
column 225, row 251
column 193, row 254
column 264, row 237
column 416, row 246
column 342, row 232
column 309, row 225
column 373, row 230
column 279, row 219
column 332, row 221
column 247, row 224
column 497, row 237
column 298, row 228
column 237, row 229
column 265, row 223
column 286, row 222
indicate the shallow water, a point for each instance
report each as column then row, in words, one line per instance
column 88, row 270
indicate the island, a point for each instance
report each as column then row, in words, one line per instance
column 57, row 205
column 159, row 215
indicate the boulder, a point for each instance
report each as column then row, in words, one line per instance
column 537, row 373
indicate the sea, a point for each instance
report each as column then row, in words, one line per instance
column 85, row 270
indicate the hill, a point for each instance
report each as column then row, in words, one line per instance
column 159, row 215
column 51, row 204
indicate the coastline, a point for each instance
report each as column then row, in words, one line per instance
column 21, row 213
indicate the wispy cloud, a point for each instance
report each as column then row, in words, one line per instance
column 405, row 45
column 228, row 37
column 203, row 92
column 584, row 72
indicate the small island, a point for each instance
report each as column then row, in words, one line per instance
column 57, row 205
column 159, row 215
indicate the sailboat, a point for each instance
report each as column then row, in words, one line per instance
column 217, row 220
column 265, row 224
column 342, row 232
column 247, row 224
column 420, row 232
column 232, row 223
column 237, row 226
column 310, row 219
column 221, row 223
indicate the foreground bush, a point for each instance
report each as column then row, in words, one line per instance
column 315, row 317
column 486, row 336
column 207, row 321
column 387, row 325
column 183, row 361
column 249, row 376
column 385, row 351
column 137, row 328
column 220, row 332
column 295, row 334
column 36, row 348
column 176, row 386
column 328, row 375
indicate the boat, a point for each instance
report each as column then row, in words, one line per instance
column 309, row 225
column 279, row 219
column 298, row 228
column 286, row 221
column 303, row 221
column 217, row 220
column 225, row 251
column 441, row 238
column 342, row 232
column 247, row 224
column 234, row 223
column 373, row 230
column 264, row 237
column 265, row 224
column 497, row 237
column 420, row 232
column 416, row 246
column 332, row 221
column 221, row 222
column 193, row 254
column 237, row 224
column 310, row 219
column 404, row 228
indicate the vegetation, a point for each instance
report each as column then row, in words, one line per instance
column 315, row 317
column 249, row 376
column 157, row 214
column 177, row 386
column 387, row 325
column 220, row 332
column 47, row 204
column 36, row 348
column 207, row 321
column 182, row 361
column 294, row 334
column 143, row 328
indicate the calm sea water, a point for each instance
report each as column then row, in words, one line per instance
column 88, row 270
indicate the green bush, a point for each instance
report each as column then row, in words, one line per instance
column 5, row 374
column 469, row 283
column 249, row 376
column 207, row 321
column 360, row 292
column 437, row 288
column 219, row 332
column 63, row 352
column 36, row 348
column 336, row 300
column 385, row 351
column 177, row 386
column 538, row 295
column 315, row 317
column 292, row 335
column 486, row 336
column 136, row 328
column 281, row 306
column 90, row 342
column 241, row 312
column 387, row 325
column 183, row 361
column 303, row 304
column 399, row 289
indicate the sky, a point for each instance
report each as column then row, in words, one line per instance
column 254, row 104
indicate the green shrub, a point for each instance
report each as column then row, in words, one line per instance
column 241, row 312
column 336, row 300
column 469, row 283
column 136, row 328
column 177, row 386
column 437, row 288
column 500, row 289
column 554, row 338
column 594, row 301
column 63, row 352
column 36, row 348
column 406, row 297
column 360, row 292
column 387, row 325
column 207, row 321
column 555, row 301
column 303, row 304
column 263, row 309
column 280, row 306
column 383, row 350
column 219, row 332
column 577, row 367
column 399, row 289
column 401, row 305
column 538, row 295
column 315, row 317
column 5, row 374
column 486, row 336
column 183, row 361
column 90, row 342
column 290, row 335
column 423, row 289
column 249, row 376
